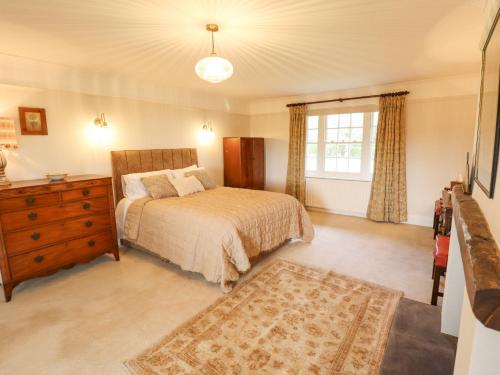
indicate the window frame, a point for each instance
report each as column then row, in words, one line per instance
column 366, row 173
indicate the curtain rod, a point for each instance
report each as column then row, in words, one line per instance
column 397, row 93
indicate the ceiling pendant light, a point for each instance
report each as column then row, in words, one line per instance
column 213, row 68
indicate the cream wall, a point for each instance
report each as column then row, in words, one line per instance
column 478, row 347
column 76, row 146
column 440, row 131
column 490, row 207
column 274, row 128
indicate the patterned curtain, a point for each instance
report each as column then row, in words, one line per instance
column 295, row 179
column 388, row 194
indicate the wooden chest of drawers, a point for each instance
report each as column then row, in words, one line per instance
column 46, row 226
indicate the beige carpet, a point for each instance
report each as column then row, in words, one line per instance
column 89, row 319
column 287, row 319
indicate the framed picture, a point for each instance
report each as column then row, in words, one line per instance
column 488, row 136
column 33, row 121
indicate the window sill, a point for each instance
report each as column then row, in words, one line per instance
column 354, row 179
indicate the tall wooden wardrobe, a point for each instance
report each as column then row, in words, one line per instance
column 244, row 165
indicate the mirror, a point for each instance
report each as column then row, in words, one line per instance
column 489, row 120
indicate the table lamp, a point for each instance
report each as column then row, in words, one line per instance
column 7, row 140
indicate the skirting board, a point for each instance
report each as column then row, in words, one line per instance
column 420, row 220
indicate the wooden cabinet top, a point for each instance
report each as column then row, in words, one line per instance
column 45, row 185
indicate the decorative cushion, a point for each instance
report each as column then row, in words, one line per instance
column 159, row 186
column 179, row 173
column 202, row 176
column 132, row 186
column 187, row 185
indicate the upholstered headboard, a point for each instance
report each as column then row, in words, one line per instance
column 136, row 161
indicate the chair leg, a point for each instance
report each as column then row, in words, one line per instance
column 433, row 268
column 435, row 286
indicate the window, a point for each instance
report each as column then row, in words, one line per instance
column 341, row 145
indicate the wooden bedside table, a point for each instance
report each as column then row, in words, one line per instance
column 46, row 226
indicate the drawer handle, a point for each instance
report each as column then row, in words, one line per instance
column 30, row 201
column 35, row 236
column 86, row 206
column 32, row 215
column 86, row 192
column 88, row 223
column 39, row 259
column 91, row 243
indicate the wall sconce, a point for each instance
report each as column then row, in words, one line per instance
column 100, row 132
column 100, row 121
column 207, row 132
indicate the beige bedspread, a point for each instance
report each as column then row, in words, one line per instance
column 217, row 231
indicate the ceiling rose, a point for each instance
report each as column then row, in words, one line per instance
column 213, row 68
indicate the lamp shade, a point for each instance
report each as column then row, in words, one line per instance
column 7, row 132
column 214, row 69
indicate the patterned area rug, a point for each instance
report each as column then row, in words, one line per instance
column 287, row 319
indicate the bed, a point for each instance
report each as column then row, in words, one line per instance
column 215, row 232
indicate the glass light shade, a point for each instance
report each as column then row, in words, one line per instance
column 214, row 69
column 206, row 136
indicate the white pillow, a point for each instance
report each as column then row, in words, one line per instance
column 179, row 173
column 187, row 185
column 132, row 186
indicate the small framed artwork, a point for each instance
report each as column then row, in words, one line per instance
column 33, row 121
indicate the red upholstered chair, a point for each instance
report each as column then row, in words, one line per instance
column 440, row 252
column 437, row 214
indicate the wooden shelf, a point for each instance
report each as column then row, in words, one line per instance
column 480, row 257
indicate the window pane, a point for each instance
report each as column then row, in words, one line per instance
column 375, row 118
column 311, row 157
column 330, row 165
column 357, row 135
column 355, row 151
column 312, row 122
column 312, row 135
column 332, row 121
column 357, row 119
column 331, row 150
column 331, row 135
column 344, row 134
column 312, row 150
column 373, row 135
column 355, row 165
column 342, row 165
column 342, row 151
column 345, row 119
column 311, row 164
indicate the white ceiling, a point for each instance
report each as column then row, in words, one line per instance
column 277, row 47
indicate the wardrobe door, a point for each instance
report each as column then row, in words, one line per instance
column 258, row 164
column 246, row 163
column 232, row 162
